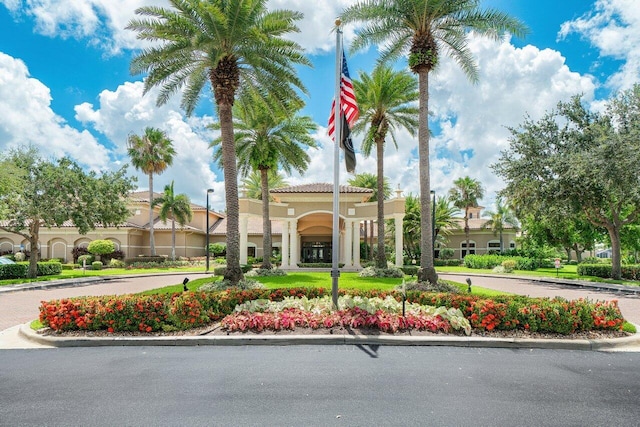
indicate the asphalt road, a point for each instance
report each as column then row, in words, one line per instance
column 317, row 386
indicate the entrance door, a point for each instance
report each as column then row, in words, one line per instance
column 316, row 252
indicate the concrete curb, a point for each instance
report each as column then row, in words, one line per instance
column 631, row 343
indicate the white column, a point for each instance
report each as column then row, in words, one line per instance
column 285, row 244
column 356, row 244
column 399, row 239
column 244, row 223
column 295, row 251
column 348, row 243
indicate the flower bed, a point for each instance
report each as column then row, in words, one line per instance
column 378, row 309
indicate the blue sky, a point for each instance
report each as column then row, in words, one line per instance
column 65, row 88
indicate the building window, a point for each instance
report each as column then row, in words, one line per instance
column 472, row 248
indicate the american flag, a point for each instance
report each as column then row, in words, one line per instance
column 347, row 100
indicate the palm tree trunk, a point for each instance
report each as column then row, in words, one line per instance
column 233, row 272
column 152, row 243
column 427, row 272
column 173, row 239
column 381, row 259
column 266, row 221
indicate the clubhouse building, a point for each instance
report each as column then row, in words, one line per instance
column 301, row 222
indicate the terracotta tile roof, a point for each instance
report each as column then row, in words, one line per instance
column 69, row 224
column 320, row 188
column 161, row 225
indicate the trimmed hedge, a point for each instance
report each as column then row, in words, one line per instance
column 156, row 259
column 490, row 261
column 148, row 313
column 20, row 270
column 629, row 272
column 446, row 262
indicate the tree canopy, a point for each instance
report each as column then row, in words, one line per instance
column 579, row 161
column 52, row 192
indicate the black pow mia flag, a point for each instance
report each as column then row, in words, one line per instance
column 347, row 146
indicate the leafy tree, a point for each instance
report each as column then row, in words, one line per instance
column 386, row 101
column 464, row 195
column 580, row 161
column 252, row 183
column 370, row 181
column 101, row 247
column 426, row 29
column 52, row 192
column 445, row 217
column 500, row 219
column 269, row 134
column 231, row 44
column 176, row 207
column 151, row 153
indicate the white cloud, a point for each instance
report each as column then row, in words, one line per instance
column 26, row 118
column 103, row 22
column 125, row 111
column 613, row 27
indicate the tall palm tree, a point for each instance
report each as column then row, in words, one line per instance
column 151, row 153
column 252, row 183
column 425, row 29
column 386, row 101
column 231, row 44
column 502, row 218
column 176, row 207
column 465, row 195
column 370, row 181
column 269, row 134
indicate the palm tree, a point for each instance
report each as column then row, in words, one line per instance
column 445, row 217
column 385, row 99
column 500, row 219
column 231, row 44
column 425, row 29
column 269, row 135
column 370, row 181
column 464, row 195
column 176, row 207
column 252, row 183
column 151, row 153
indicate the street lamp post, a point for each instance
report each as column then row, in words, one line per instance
column 210, row 190
column 433, row 224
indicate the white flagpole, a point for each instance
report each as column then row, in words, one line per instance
column 335, row 253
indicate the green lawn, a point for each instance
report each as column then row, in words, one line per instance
column 319, row 280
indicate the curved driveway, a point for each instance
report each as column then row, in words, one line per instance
column 629, row 304
column 21, row 307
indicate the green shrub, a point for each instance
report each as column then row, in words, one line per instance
column 69, row 266
column 13, row 271
column 116, row 263
column 509, row 265
column 49, row 268
column 490, row 261
column 139, row 259
column 409, row 270
column 381, row 272
column 21, row 270
column 101, row 247
column 96, row 265
column 220, row 271
column 447, row 253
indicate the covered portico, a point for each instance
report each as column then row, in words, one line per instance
column 305, row 213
